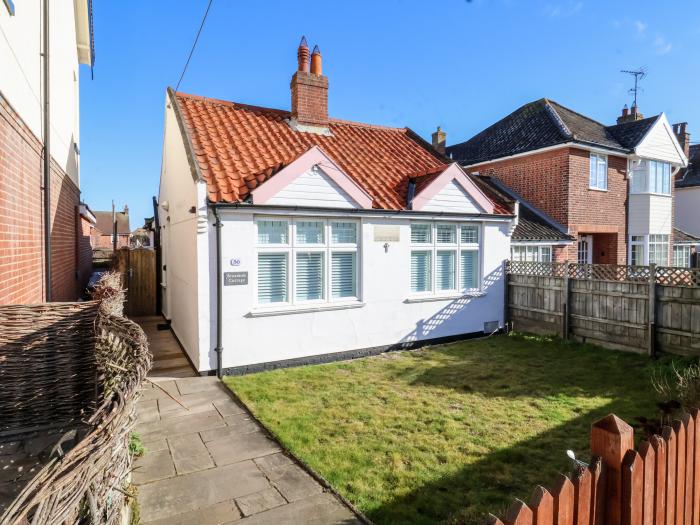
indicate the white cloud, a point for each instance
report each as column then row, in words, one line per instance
column 662, row 45
column 640, row 26
column 566, row 9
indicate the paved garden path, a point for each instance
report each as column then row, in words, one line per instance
column 211, row 463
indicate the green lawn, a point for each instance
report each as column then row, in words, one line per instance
column 448, row 433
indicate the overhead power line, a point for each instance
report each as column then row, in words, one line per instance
column 194, row 45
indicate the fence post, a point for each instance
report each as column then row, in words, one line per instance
column 565, row 303
column 651, row 331
column 611, row 438
column 506, row 316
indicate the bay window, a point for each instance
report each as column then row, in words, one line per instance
column 444, row 258
column 598, row 176
column 658, row 249
column 306, row 261
column 652, row 177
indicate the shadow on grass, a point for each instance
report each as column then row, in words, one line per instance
column 563, row 373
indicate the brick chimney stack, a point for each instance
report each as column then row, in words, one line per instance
column 309, row 93
column 629, row 115
column 681, row 132
column 439, row 140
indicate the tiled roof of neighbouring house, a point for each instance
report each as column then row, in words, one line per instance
column 105, row 225
column 533, row 224
column 681, row 237
column 544, row 123
column 238, row 147
column 691, row 175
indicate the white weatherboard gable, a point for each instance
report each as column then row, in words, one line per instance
column 313, row 188
column 454, row 198
column 312, row 179
column 660, row 143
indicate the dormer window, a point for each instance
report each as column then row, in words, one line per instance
column 598, row 172
column 652, row 177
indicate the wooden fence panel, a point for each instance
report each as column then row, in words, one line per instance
column 542, row 507
column 678, row 319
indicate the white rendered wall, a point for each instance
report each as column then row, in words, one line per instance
column 20, row 74
column 688, row 210
column 660, row 143
column 180, row 238
column 452, row 198
column 313, row 188
column 385, row 319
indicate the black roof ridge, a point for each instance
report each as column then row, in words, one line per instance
column 556, row 118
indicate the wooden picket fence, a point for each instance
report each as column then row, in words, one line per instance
column 658, row 483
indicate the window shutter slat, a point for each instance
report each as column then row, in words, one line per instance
column 445, row 270
column 421, row 272
column 469, row 265
column 309, row 276
column 272, row 278
column 343, row 280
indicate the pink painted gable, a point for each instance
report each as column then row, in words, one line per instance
column 315, row 156
column 453, row 173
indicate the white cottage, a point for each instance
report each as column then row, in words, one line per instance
column 292, row 237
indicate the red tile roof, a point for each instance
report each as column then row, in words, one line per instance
column 238, row 147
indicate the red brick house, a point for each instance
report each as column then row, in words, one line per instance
column 610, row 187
column 44, row 228
column 103, row 234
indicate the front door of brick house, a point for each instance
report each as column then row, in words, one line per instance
column 585, row 249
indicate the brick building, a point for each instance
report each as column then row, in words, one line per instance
column 24, row 272
column 608, row 186
column 103, row 234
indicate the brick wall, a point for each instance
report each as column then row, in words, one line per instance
column 21, row 218
column 99, row 240
column 557, row 182
column 310, row 98
column 540, row 178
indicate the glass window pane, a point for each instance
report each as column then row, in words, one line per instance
column 421, row 272
column 602, row 173
column 421, row 233
column 272, row 278
column 446, row 234
column 531, row 254
column 309, row 232
column 545, row 254
column 681, row 256
column 343, row 275
column 667, row 179
column 469, row 265
column 593, row 175
column 637, row 255
column 445, row 270
column 470, row 234
column 344, row 232
column 272, row 232
column 309, row 276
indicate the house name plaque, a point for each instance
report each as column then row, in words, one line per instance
column 386, row 233
column 235, row 278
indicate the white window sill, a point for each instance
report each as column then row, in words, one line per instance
column 442, row 297
column 296, row 309
column 650, row 193
column 597, row 189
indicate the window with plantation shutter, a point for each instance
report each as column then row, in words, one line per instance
column 272, row 278
column 445, row 270
column 309, row 276
column 343, row 275
column 445, row 259
column 302, row 260
column 421, row 272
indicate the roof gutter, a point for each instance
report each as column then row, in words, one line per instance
column 355, row 211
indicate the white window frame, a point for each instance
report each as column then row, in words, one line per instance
column 531, row 249
column 658, row 242
column 292, row 248
column 648, row 170
column 595, row 160
column 638, row 240
column 687, row 250
column 433, row 247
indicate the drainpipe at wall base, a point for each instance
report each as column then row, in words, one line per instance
column 47, row 153
column 219, row 299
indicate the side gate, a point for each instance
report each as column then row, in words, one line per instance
column 138, row 269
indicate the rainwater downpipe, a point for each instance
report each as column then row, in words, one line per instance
column 219, row 299
column 47, row 154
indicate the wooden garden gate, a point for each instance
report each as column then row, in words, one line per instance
column 138, row 269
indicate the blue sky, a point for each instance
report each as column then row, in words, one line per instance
column 462, row 65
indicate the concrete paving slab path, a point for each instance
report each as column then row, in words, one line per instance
column 210, row 462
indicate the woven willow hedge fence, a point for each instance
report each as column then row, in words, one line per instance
column 73, row 368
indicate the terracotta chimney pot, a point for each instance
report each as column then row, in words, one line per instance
column 303, row 55
column 316, row 62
